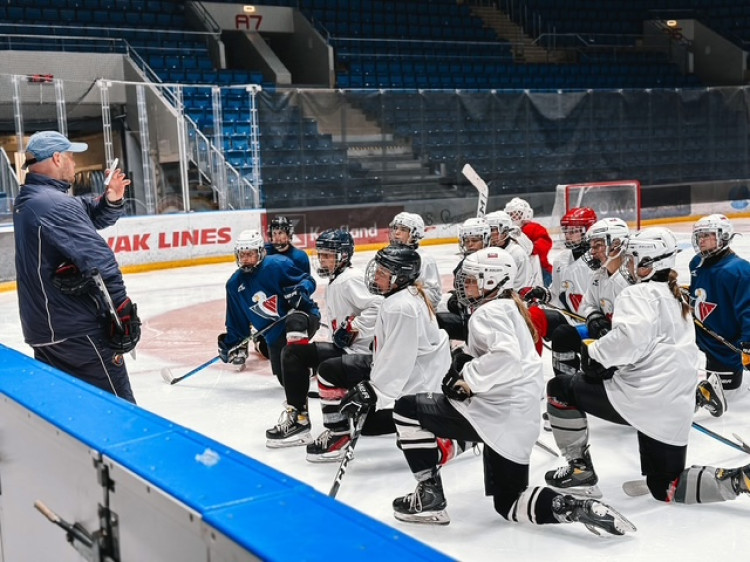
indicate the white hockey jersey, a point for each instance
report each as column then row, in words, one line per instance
column 429, row 276
column 654, row 348
column 602, row 293
column 347, row 295
column 571, row 279
column 528, row 247
column 526, row 275
column 411, row 354
column 506, row 378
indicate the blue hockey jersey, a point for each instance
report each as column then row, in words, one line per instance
column 720, row 299
column 257, row 298
column 299, row 257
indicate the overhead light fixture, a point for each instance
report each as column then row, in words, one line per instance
column 248, row 9
column 671, row 23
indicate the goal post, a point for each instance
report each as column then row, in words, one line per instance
column 621, row 199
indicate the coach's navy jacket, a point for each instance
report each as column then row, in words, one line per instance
column 51, row 227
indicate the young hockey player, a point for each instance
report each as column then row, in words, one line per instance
column 262, row 290
column 408, row 229
column 641, row 373
column 522, row 213
column 474, row 234
column 280, row 236
column 501, row 236
column 720, row 299
column 490, row 394
column 351, row 311
column 409, row 353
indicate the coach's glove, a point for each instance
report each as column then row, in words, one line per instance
column 745, row 347
column 69, row 279
column 598, row 324
column 358, row 400
column 124, row 340
column 345, row 334
column 594, row 371
column 535, row 294
column 454, row 386
column 235, row 355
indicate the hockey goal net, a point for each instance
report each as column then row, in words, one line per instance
column 621, row 199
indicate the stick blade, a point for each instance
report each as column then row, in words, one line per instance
column 166, row 374
column 635, row 488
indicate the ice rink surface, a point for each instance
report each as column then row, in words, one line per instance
column 183, row 312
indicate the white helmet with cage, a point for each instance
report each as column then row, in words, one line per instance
column 501, row 223
column 472, row 229
column 491, row 270
column 519, row 210
column 716, row 224
column 410, row 221
column 653, row 249
column 613, row 232
column 248, row 241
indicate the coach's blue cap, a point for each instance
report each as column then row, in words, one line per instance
column 44, row 144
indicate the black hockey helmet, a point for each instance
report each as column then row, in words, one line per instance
column 281, row 223
column 402, row 262
column 338, row 242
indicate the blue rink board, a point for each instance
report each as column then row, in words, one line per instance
column 239, row 496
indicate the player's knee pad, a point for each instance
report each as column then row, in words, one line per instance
column 559, row 391
column 406, row 407
column 566, row 338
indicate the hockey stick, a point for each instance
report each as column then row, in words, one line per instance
column 166, row 372
column 546, row 448
column 484, row 191
column 348, row 455
column 740, row 447
column 635, row 488
column 716, row 336
column 565, row 312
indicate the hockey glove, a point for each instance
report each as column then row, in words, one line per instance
column 294, row 296
column 235, row 355
column 745, row 347
column 593, row 371
column 454, row 386
column 598, row 324
column 460, row 358
column 453, row 305
column 358, row 400
column 124, row 340
column 345, row 334
column 69, row 279
column 536, row 294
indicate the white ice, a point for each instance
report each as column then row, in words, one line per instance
column 183, row 312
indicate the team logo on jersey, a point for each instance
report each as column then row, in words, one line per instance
column 607, row 307
column 701, row 307
column 573, row 299
column 265, row 307
column 241, row 288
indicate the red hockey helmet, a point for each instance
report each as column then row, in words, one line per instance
column 576, row 222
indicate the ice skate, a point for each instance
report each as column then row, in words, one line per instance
column 328, row 447
column 739, row 478
column 426, row 505
column 709, row 394
column 597, row 516
column 292, row 430
column 577, row 477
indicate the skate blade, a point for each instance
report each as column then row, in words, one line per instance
column 581, row 491
column 426, row 518
column 323, row 458
column 621, row 523
column 294, row 441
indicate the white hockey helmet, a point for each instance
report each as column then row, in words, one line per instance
column 501, row 223
column 473, row 228
column 653, row 248
column 712, row 224
column 247, row 241
column 519, row 210
column 614, row 232
column 411, row 221
column 492, row 269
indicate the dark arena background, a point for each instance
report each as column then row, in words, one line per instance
column 340, row 113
